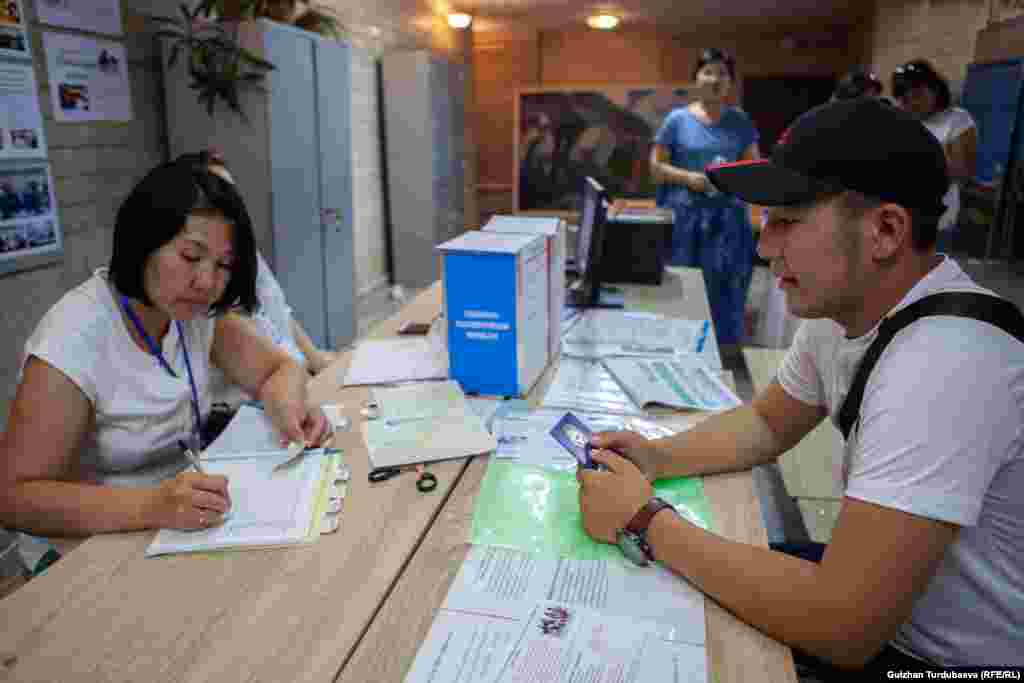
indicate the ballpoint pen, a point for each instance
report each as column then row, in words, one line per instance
column 192, row 457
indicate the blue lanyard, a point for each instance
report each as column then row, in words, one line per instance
column 153, row 349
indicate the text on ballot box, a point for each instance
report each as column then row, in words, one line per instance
column 554, row 231
column 496, row 309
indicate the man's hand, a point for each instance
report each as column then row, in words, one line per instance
column 610, row 499
column 635, row 448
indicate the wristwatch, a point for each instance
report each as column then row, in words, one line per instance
column 633, row 539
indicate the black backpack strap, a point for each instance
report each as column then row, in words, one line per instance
column 984, row 307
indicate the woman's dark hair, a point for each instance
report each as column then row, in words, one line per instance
column 711, row 55
column 857, row 83
column 155, row 212
column 921, row 72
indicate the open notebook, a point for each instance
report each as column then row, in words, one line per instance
column 270, row 508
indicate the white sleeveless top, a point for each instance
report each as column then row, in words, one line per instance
column 141, row 410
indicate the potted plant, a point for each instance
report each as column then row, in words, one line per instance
column 218, row 65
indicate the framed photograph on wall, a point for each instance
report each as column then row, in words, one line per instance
column 563, row 134
column 30, row 234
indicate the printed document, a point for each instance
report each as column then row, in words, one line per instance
column 513, row 616
column 583, row 385
column 268, row 508
column 424, row 422
column 525, row 436
column 402, row 359
column 685, row 381
column 634, row 332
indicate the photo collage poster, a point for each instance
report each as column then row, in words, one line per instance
column 21, row 119
column 30, row 233
column 28, row 213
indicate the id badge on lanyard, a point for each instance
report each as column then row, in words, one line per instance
column 196, row 439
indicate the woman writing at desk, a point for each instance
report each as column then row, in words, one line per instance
column 115, row 377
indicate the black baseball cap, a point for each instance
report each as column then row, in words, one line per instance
column 864, row 144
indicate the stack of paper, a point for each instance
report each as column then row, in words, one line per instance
column 424, row 422
column 511, row 616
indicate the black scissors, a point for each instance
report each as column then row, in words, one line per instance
column 425, row 483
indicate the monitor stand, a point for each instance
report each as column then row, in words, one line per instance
column 608, row 297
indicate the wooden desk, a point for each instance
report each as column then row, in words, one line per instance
column 736, row 652
column 106, row 613
column 352, row 607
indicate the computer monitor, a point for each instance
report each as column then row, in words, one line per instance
column 586, row 291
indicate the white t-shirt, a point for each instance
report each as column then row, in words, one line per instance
column 948, row 125
column 274, row 316
column 940, row 435
column 273, row 320
column 141, row 410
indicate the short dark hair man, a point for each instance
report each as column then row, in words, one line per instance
column 927, row 558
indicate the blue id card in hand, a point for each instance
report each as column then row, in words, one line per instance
column 575, row 438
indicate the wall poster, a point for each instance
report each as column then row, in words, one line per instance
column 29, row 230
column 97, row 16
column 88, row 79
column 565, row 134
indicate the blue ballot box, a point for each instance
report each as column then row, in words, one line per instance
column 496, row 311
column 554, row 231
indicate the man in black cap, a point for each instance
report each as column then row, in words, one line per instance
column 926, row 563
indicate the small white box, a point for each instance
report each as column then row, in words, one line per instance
column 554, row 230
column 496, row 310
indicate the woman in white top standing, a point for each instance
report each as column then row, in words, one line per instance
column 919, row 89
column 115, row 378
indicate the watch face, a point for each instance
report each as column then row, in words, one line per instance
column 629, row 544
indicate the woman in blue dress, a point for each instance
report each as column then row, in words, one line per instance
column 712, row 232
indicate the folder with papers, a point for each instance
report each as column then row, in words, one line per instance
column 271, row 507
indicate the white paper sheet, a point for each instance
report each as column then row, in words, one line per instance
column 500, row 581
column 268, row 508
column 424, row 422
column 586, row 386
column 383, row 361
column 525, row 436
column 512, row 616
column 636, row 331
column 685, row 381
column 564, row 643
column 250, row 430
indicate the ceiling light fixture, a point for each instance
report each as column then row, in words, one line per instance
column 604, row 22
column 459, row 20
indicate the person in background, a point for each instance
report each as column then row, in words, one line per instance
column 712, row 231
column 114, row 380
column 274, row 317
column 859, row 82
column 926, row 562
column 919, row 89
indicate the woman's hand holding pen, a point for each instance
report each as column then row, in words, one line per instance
column 189, row 501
